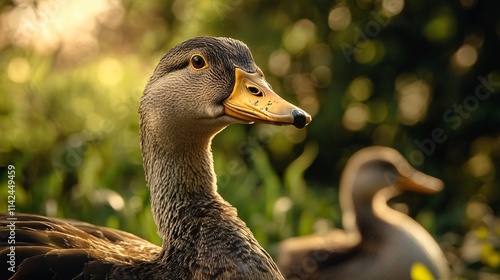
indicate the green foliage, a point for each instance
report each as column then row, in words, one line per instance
column 404, row 75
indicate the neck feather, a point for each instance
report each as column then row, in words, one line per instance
column 363, row 212
column 371, row 212
column 179, row 174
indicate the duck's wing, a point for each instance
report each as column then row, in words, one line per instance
column 50, row 248
column 302, row 257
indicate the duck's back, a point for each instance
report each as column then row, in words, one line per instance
column 50, row 248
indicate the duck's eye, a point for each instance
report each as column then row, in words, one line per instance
column 198, row 62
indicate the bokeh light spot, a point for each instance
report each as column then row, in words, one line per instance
column 283, row 204
column 467, row 4
column 475, row 210
column 339, row 18
column 393, row 7
column 414, row 97
column 355, row 117
column 302, row 33
column 322, row 76
column 110, row 72
column 108, row 196
column 464, row 57
column 361, row 88
column 481, row 166
column 19, row 70
column 279, row 63
column 370, row 52
column 440, row 28
column 320, row 55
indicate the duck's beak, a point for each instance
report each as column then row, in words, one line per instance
column 253, row 100
column 419, row 182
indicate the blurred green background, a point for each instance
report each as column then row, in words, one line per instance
column 420, row 76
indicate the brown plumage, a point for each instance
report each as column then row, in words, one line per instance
column 377, row 242
column 199, row 87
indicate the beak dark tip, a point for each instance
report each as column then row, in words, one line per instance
column 299, row 118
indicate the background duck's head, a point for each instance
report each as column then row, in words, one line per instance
column 375, row 168
column 380, row 173
column 207, row 83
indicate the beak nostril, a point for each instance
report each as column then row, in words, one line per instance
column 255, row 91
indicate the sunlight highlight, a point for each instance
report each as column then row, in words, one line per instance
column 50, row 24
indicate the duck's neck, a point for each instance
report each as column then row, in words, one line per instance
column 370, row 214
column 181, row 177
column 367, row 215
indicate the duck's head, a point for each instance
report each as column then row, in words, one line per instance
column 373, row 169
column 207, row 83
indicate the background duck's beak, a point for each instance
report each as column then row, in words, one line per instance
column 419, row 182
column 253, row 100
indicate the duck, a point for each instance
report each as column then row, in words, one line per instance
column 376, row 242
column 199, row 87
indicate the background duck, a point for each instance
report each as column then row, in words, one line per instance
column 199, row 87
column 377, row 242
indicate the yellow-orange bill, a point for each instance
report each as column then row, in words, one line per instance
column 253, row 100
